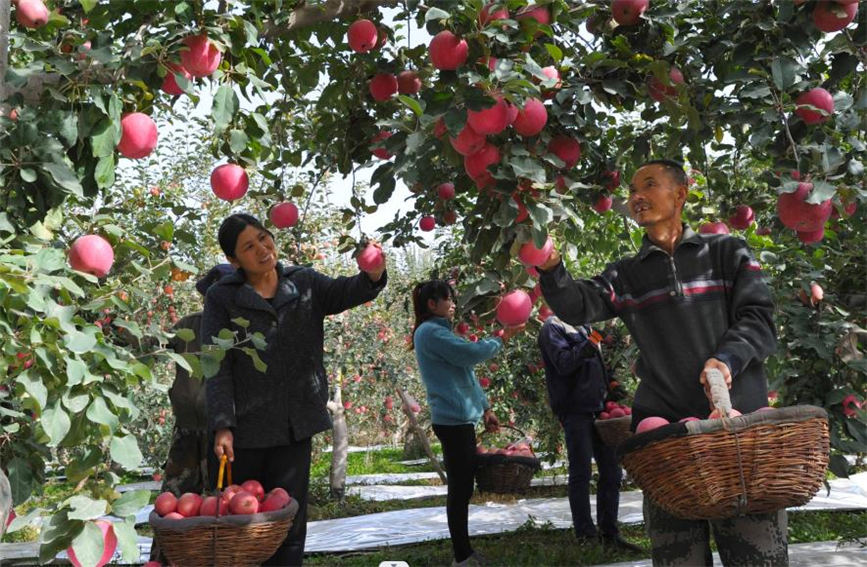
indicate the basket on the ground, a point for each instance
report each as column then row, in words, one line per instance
column 615, row 430
column 504, row 474
column 229, row 541
column 721, row 468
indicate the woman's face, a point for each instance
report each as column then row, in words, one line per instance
column 442, row 307
column 255, row 251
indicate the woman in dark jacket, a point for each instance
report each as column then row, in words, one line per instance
column 263, row 421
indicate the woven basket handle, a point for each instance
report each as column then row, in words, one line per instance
column 502, row 426
column 719, row 392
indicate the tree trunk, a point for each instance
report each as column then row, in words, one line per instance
column 420, row 434
column 5, row 501
column 339, row 445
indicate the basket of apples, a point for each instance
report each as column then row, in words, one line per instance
column 241, row 525
column 729, row 464
column 613, row 424
column 508, row 469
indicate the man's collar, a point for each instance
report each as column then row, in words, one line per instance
column 689, row 236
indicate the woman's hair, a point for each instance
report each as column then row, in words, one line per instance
column 232, row 226
column 421, row 293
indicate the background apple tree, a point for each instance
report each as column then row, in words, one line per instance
column 712, row 83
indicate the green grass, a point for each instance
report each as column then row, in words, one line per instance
column 370, row 462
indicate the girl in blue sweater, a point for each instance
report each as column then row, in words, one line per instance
column 456, row 400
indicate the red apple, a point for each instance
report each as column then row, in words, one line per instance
column 566, row 148
column 523, row 213
column 389, row 402
column 659, row 91
column 604, row 415
column 201, row 56
column 613, row 179
column 439, row 129
column 628, row 12
column 109, row 542
column 817, row 294
column 743, row 217
column 544, row 312
column 229, row 181
column 486, row 15
column 649, row 423
column 468, row 141
column 448, row 51
column 834, row 16
column 243, row 503
column 383, row 86
column 408, row 82
column 284, row 215
column 462, row 328
column 797, row 214
column 514, row 308
column 370, row 259
column 603, row 204
column 446, row 191
column 362, row 36
column 477, row 164
column 166, row 503
column 491, row 120
column 381, row 152
column 31, row 13
column 138, row 136
column 552, row 73
column 91, row 254
column 717, row 227
column 529, row 255
column 275, row 500
column 819, row 98
column 427, row 223
column 450, row 217
column 811, row 236
column 254, row 487
column 539, row 13
column 617, row 412
column 173, row 516
column 209, row 506
column 531, row 119
column 189, row 504
column 170, row 83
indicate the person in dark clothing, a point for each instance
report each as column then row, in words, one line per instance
column 577, row 385
column 186, row 468
column 692, row 302
column 263, row 420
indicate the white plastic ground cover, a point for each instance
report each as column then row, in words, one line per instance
column 382, row 492
column 816, row 554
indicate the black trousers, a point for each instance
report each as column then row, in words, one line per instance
column 287, row 466
column 459, row 456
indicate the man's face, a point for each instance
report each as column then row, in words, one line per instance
column 655, row 197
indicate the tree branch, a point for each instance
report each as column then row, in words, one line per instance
column 311, row 14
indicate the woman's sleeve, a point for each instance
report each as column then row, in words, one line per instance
column 442, row 343
column 220, row 388
column 336, row 295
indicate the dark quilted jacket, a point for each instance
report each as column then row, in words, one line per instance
column 288, row 400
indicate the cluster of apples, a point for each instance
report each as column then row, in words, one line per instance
column 613, row 409
column 653, row 422
column 246, row 498
column 516, row 449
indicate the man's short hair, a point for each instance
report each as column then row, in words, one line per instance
column 673, row 168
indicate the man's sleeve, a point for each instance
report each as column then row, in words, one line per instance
column 564, row 354
column 336, row 295
column 751, row 336
column 579, row 301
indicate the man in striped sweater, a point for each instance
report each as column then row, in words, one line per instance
column 692, row 302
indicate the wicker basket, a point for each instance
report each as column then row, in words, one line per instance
column 721, row 468
column 614, row 431
column 229, row 541
column 505, row 474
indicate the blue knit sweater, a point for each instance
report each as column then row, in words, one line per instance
column 446, row 362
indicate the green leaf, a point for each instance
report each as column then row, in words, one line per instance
column 99, row 412
column 56, row 534
column 130, row 502
column 125, row 452
column 411, row 103
column 185, row 335
column 240, row 321
column 88, row 545
column 27, row 174
column 258, row 363
column 839, row 466
column 26, row 520
column 783, row 71
column 22, row 480
column 238, row 140
column 180, row 361
column 88, row 5
column 34, row 387
column 85, row 508
column 79, row 342
column 76, row 371
column 64, row 177
column 55, row 422
column 436, row 14
column 127, row 541
column 555, row 52
column 224, row 109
